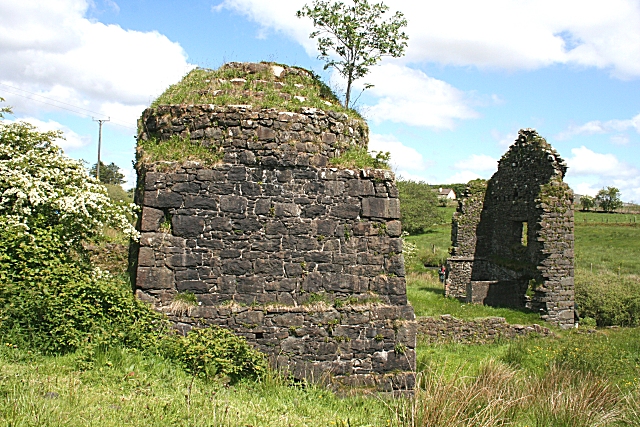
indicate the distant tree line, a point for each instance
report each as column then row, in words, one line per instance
column 607, row 199
column 109, row 174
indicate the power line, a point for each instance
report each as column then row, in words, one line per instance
column 59, row 106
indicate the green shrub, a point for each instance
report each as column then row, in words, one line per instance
column 418, row 207
column 52, row 301
column 608, row 298
column 214, row 351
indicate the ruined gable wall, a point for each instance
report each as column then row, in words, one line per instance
column 463, row 237
column 303, row 260
column 524, row 235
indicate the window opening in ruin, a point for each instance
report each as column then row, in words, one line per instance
column 525, row 232
column 166, row 224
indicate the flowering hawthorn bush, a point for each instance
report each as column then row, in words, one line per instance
column 51, row 298
column 40, row 187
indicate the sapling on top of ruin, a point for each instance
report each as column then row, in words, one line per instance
column 357, row 34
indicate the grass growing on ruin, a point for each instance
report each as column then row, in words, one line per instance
column 360, row 158
column 176, row 149
column 295, row 89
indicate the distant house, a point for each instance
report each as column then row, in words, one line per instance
column 446, row 193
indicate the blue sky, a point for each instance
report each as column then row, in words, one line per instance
column 474, row 73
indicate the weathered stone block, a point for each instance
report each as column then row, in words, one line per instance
column 184, row 260
column 345, row 211
column 154, row 278
column 195, row 286
column 237, row 267
column 151, row 219
column 146, row 257
column 162, row 199
column 250, row 285
column 187, row 226
column 381, row 208
column 199, row 202
column 269, row 267
column 286, row 209
column 233, row 204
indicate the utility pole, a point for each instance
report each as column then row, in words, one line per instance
column 100, row 121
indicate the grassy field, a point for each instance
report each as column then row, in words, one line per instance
column 575, row 378
column 612, row 248
column 129, row 389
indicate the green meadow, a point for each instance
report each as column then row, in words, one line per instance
column 584, row 377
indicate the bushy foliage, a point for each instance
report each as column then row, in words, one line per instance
column 51, row 299
column 213, row 351
column 42, row 188
column 609, row 199
column 587, row 203
column 418, row 207
column 610, row 299
column 109, row 174
column 53, row 302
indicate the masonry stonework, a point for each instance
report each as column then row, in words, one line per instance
column 513, row 238
column 302, row 259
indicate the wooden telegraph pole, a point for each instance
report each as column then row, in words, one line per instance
column 100, row 121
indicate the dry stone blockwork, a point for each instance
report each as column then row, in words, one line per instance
column 447, row 329
column 513, row 235
column 302, row 259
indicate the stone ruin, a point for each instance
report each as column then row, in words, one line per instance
column 301, row 258
column 512, row 236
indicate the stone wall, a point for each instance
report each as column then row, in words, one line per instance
column 303, row 259
column 447, row 329
column 513, row 236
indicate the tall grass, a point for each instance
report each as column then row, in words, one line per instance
column 125, row 388
column 566, row 398
column 499, row 395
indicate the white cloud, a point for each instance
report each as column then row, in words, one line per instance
column 601, row 127
column 402, row 157
column 590, row 171
column 130, row 177
column 588, row 162
column 619, row 139
column 478, row 163
column 71, row 140
column 462, row 177
column 51, row 48
column 506, row 139
column 506, row 34
column 585, row 189
column 411, row 97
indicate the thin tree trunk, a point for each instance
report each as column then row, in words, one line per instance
column 348, row 96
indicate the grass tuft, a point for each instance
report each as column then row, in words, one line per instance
column 176, row 149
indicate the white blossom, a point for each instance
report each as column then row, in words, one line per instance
column 40, row 186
